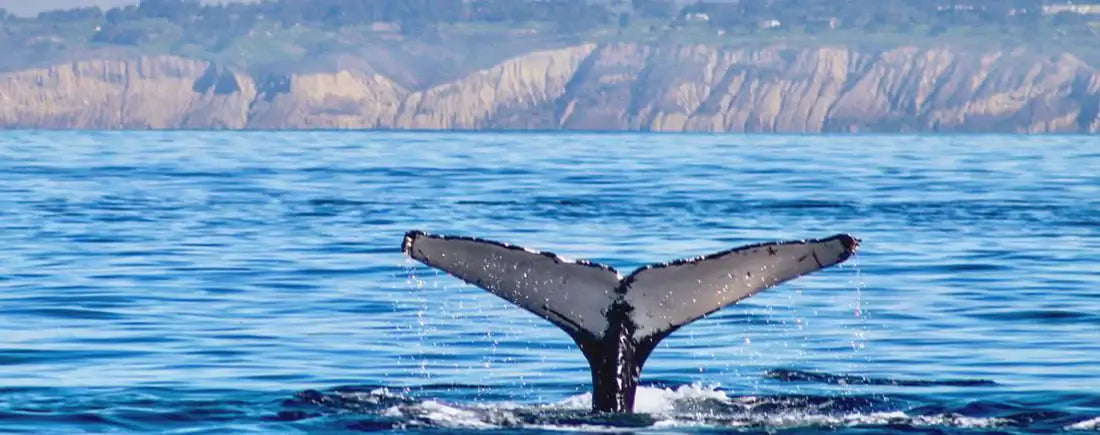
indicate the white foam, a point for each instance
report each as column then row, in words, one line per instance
column 686, row 406
column 955, row 420
column 663, row 401
column 451, row 417
column 579, row 402
column 582, row 428
column 654, row 400
column 434, row 414
column 1093, row 424
column 797, row 419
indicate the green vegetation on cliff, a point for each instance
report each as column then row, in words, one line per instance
column 444, row 39
column 651, row 65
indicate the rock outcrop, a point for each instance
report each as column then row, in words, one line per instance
column 343, row 100
column 147, row 92
column 589, row 87
column 489, row 99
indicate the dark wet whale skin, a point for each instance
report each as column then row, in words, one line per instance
column 616, row 361
column 617, row 354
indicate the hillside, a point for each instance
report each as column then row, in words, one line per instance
column 166, row 64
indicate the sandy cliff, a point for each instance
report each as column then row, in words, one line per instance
column 590, row 87
column 148, row 92
column 344, row 99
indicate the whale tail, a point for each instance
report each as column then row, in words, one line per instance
column 617, row 321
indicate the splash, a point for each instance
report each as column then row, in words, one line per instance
column 1088, row 425
column 859, row 332
column 685, row 406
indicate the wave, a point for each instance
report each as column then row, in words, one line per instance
column 1087, row 425
column 686, row 406
column 787, row 375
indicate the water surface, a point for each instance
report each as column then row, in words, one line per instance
column 235, row 282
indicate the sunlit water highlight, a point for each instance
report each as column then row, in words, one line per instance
column 252, row 282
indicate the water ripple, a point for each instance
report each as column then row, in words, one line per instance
column 233, row 282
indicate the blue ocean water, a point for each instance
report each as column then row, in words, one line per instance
column 208, row 282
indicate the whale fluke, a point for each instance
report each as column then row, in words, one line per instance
column 617, row 321
column 569, row 293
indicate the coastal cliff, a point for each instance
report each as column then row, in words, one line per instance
column 148, row 92
column 587, row 87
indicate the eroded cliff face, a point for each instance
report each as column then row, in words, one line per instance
column 347, row 100
column 831, row 89
column 147, row 92
column 489, row 99
column 589, row 87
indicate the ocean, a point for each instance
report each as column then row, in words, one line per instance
column 227, row 282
